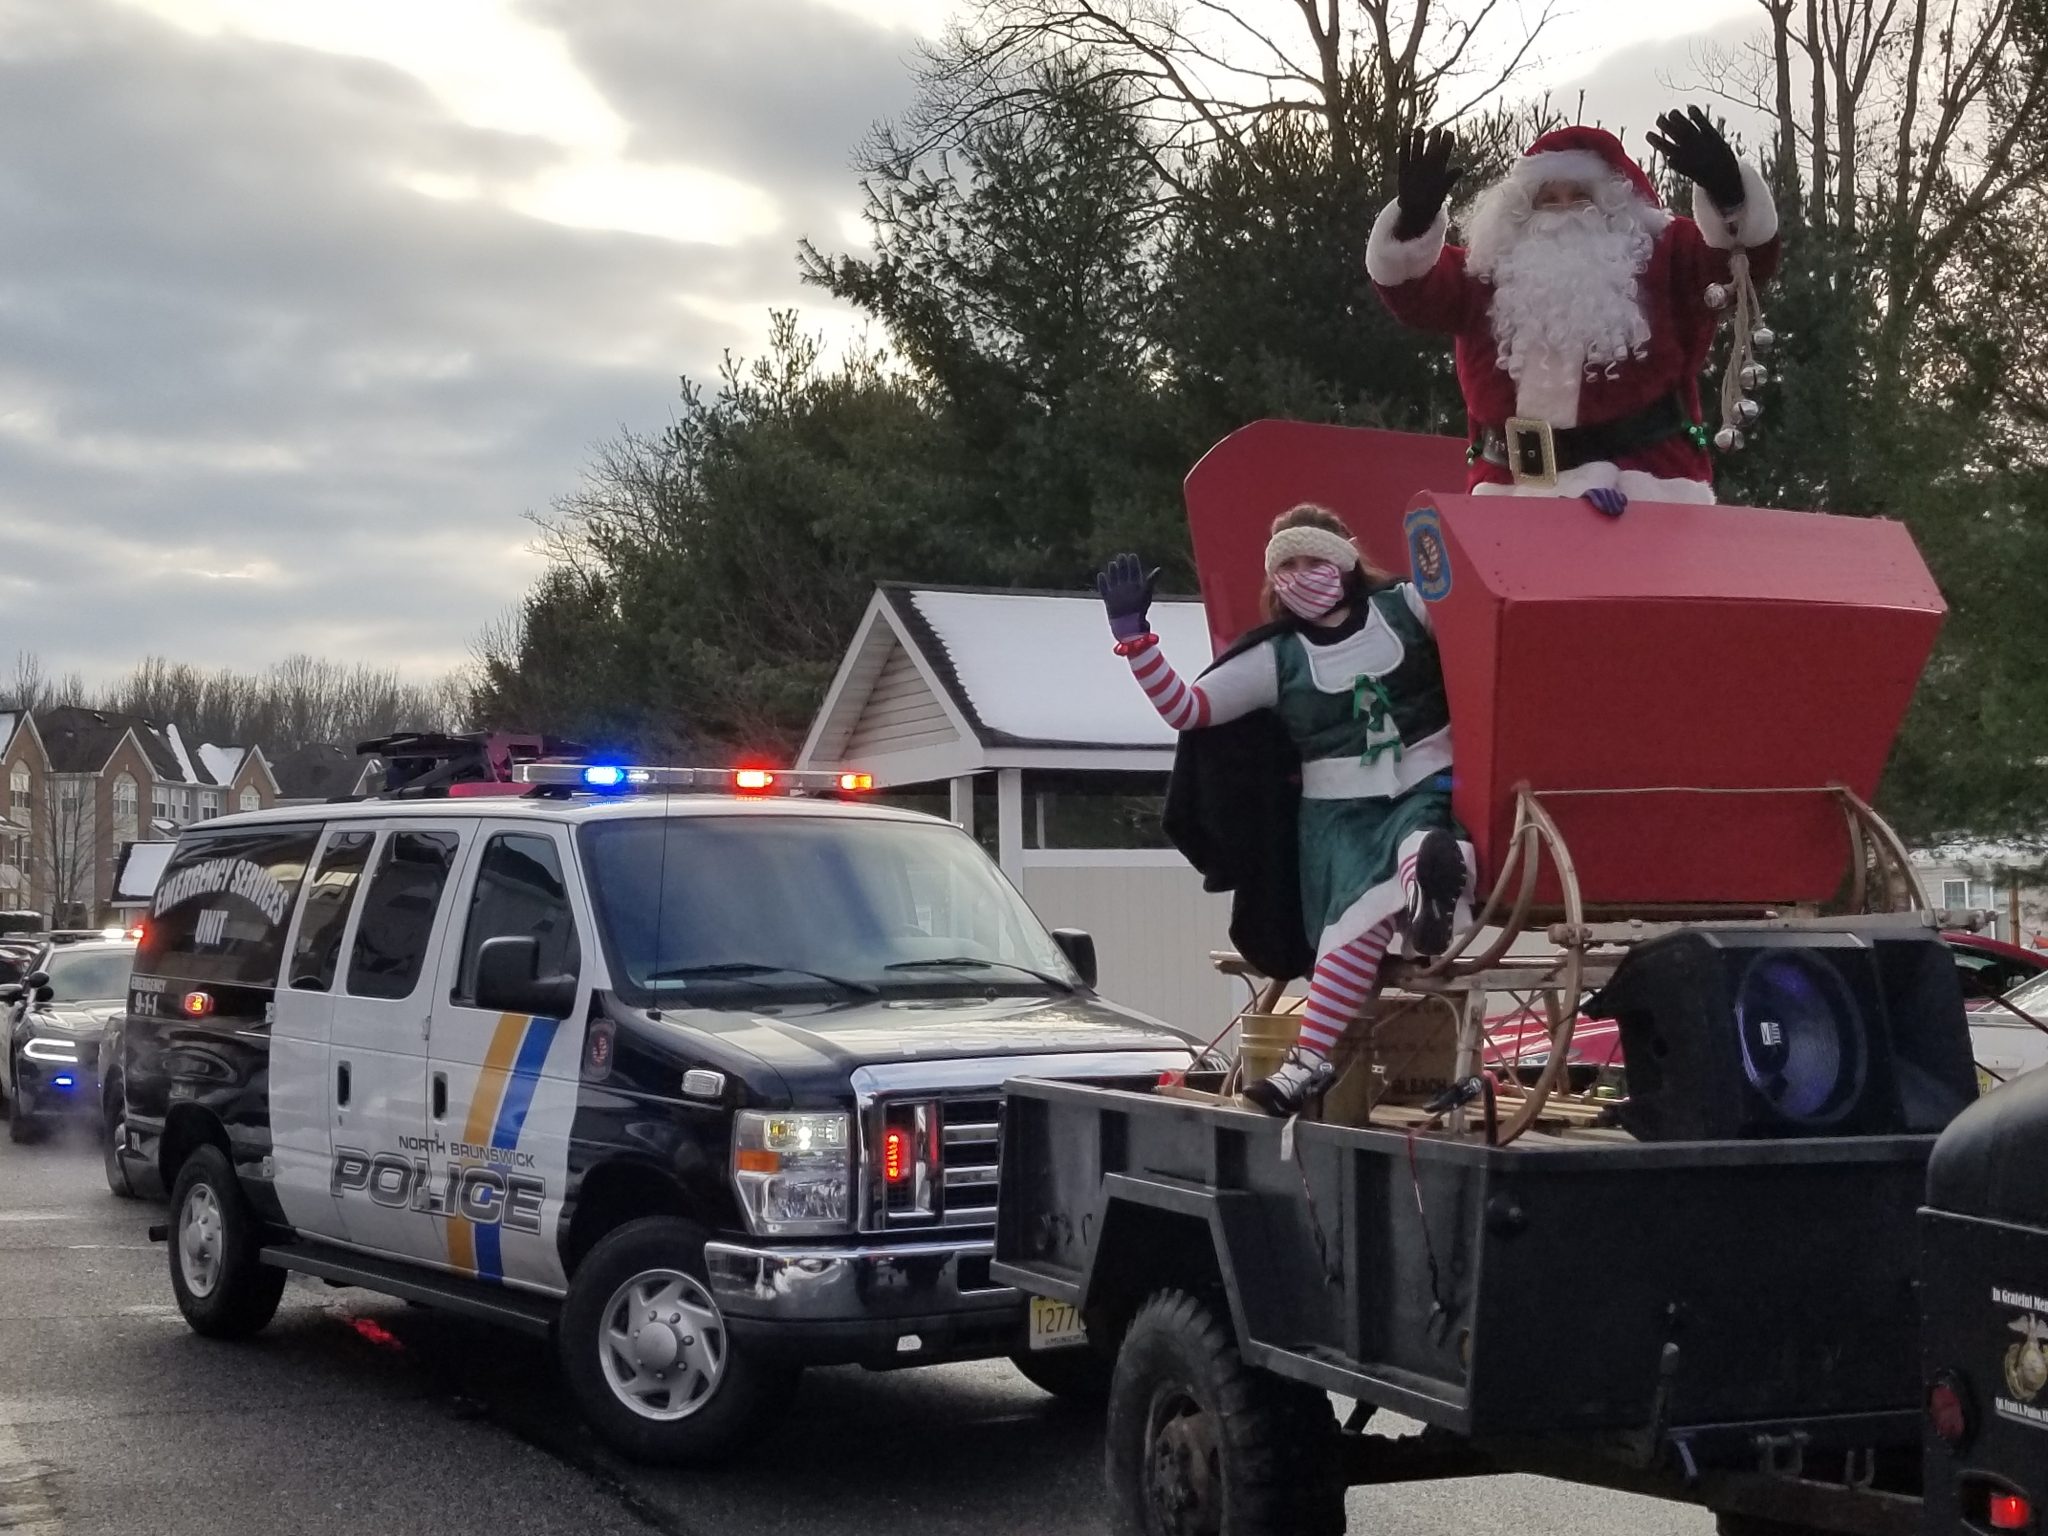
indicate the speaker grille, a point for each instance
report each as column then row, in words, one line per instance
column 1805, row 1043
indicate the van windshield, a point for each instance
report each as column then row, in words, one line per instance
column 694, row 904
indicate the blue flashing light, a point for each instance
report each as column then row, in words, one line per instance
column 604, row 776
column 62, row 1082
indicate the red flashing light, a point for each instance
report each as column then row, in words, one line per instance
column 896, row 1155
column 2011, row 1512
column 136, row 933
column 753, row 780
column 198, row 1004
column 853, row 783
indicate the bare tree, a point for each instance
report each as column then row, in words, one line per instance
column 1210, row 74
column 64, row 840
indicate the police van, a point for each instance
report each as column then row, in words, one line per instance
column 699, row 1077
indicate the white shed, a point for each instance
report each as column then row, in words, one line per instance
column 1009, row 712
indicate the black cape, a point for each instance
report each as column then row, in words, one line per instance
column 1233, row 809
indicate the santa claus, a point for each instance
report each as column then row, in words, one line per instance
column 1580, row 305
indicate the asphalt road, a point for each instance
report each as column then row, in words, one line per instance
column 360, row 1416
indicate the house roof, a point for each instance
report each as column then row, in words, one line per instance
column 319, row 770
column 1003, row 678
column 80, row 740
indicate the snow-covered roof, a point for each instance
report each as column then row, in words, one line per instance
column 223, row 763
column 176, row 741
column 939, row 682
column 141, row 866
column 1038, row 666
column 9, row 719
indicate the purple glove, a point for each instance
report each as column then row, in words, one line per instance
column 1125, row 587
column 1603, row 499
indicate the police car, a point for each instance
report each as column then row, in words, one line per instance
column 697, row 1076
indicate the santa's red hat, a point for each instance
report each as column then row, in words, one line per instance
column 1584, row 155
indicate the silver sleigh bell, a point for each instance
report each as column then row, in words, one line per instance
column 1728, row 440
column 1718, row 295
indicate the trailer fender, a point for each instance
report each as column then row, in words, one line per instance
column 1155, row 1232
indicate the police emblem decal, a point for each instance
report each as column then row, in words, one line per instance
column 1428, row 558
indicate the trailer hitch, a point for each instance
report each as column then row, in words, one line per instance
column 1782, row 1455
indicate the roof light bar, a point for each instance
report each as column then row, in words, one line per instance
column 624, row 778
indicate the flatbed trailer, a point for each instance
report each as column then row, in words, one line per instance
column 1731, row 1324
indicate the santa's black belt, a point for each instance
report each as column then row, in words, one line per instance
column 1536, row 453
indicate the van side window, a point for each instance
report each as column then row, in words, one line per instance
column 318, row 951
column 519, row 894
column 398, row 914
column 224, row 905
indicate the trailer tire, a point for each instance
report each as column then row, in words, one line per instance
column 1199, row 1442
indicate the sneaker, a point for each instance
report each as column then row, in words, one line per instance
column 1302, row 1076
column 1433, row 904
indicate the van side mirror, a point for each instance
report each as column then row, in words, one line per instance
column 508, row 980
column 1078, row 945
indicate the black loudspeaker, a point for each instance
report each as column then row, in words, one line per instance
column 1731, row 1034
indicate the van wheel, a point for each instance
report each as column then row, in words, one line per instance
column 224, row 1289
column 1078, row 1374
column 1200, row 1444
column 114, row 1137
column 648, row 1355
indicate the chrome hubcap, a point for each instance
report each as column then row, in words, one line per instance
column 663, row 1345
column 200, row 1240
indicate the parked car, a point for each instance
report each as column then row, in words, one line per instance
column 56, row 1017
column 2004, row 1036
column 1990, row 968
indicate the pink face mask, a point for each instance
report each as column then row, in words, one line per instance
column 1310, row 590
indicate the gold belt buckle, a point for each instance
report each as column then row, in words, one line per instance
column 1532, row 452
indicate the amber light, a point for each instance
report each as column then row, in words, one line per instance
column 757, row 1160
column 856, row 781
column 198, row 1004
column 2011, row 1512
column 753, row 779
column 896, row 1155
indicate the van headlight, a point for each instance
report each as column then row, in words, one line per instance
column 793, row 1171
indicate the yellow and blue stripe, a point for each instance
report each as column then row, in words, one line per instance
column 497, row 1114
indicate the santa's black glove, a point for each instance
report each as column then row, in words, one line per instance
column 1695, row 149
column 1125, row 587
column 1423, row 177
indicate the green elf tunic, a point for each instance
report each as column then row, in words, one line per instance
column 1367, row 710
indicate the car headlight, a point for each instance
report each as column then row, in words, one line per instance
column 794, row 1172
column 42, row 1048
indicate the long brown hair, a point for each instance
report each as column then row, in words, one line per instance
column 1359, row 582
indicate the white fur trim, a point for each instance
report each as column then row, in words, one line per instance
column 1754, row 223
column 1392, row 261
column 1579, row 165
column 1310, row 544
column 1600, row 475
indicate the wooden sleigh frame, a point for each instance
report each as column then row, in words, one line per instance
column 1587, row 944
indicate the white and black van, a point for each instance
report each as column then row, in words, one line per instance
column 705, row 1086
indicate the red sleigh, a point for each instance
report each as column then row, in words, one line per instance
column 1677, row 715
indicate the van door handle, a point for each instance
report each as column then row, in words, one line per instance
column 341, row 1083
column 440, row 1095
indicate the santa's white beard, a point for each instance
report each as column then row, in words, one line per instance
column 1565, row 292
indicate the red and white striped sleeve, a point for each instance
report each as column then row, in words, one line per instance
column 1248, row 681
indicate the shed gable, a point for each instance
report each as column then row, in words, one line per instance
column 900, row 713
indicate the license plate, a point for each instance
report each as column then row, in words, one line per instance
column 1055, row 1324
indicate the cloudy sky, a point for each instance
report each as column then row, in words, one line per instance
column 304, row 302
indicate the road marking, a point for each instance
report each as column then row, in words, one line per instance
column 41, row 1216
column 24, row 1509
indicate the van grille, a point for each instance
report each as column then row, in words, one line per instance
column 954, row 1182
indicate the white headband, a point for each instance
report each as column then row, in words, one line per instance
column 1310, row 543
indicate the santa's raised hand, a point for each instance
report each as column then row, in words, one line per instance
column 1423, row 178
column 1694, row 148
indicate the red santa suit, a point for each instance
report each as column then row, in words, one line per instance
column 1635, row 387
